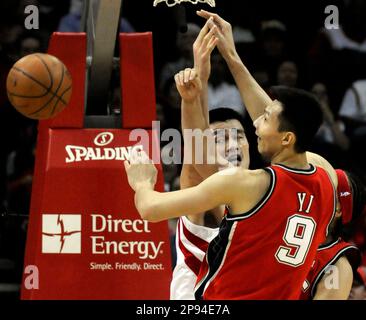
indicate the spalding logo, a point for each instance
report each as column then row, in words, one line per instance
column 103, row 138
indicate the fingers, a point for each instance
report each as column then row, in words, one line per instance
column 196, row 81
column 138, row 156
column 212, row 44
column 133, row 156
column 204, row 48
column 144, row 158
column 209, row 35
column 206, row 14
column 212, row 41
column 185, row 76
column 179, row 77
column 204, row 31
column 193, row 74
column 178, row 80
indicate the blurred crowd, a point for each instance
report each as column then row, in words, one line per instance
column 331, row 63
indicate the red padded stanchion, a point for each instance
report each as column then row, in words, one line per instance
column 137, row 79
column 85, row 236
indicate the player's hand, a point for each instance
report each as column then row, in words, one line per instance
column 202, row 47
column 188, row 84
column 223, row 32
column 140, row 170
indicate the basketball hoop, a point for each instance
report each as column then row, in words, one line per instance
column 171, row 3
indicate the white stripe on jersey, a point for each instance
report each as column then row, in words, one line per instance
column 184, row 279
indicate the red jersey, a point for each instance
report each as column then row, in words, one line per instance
column 327, row 256
column 267, row 252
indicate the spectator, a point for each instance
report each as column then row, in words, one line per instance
column 332, row 129
column 71, row 21
column 353, row 107
column 222, row 93
column 9, row 35
column 184, row 44
column 356, row 233
column 272, row 50
column 30, row 42
column 338, row 56
column 287, row 74
column 170, row 100
column 358, row 291
column 331, row 140
column 245, row 43
column 261, row 75
column 353, row 112
column 20, row 166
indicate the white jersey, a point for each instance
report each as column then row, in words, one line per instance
column 191, row 245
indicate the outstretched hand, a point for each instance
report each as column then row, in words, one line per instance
column 188, row 84
column 223, row 32
column 202, row 47
column 140, row 170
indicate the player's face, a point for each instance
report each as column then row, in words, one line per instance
column 269, row 138
column 230, row 139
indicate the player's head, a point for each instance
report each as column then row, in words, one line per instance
column 227, row 126
column 351, row 195
column 289, row 123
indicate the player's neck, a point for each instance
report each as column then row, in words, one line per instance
column 292, row 160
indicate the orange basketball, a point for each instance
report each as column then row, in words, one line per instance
column 39, row 86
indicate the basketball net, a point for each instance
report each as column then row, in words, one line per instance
column 171, row 3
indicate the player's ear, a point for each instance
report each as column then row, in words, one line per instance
column 288, row 139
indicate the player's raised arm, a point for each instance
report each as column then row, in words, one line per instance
column 156, row 206
column 254, row 97
column 205, row 42
column 194, row 111
column 196, row 133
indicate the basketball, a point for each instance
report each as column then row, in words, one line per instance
column 39, row 86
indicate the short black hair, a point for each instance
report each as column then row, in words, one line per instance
column 225, row 114
column 301, row 114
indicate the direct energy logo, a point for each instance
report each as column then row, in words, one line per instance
column 61, row 233
column 102, row 226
